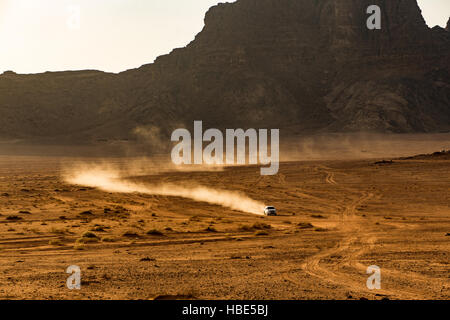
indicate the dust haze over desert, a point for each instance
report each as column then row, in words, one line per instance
column 361, row 173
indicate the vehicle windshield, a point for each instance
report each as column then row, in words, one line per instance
column 270, row 208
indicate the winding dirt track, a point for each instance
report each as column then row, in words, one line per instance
column 340, row 265
column 343, row 253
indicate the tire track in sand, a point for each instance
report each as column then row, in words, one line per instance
column 339, row 265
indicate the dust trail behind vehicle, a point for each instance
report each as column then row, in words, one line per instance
column 112, row 180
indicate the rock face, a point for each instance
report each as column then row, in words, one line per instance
column 298, row 65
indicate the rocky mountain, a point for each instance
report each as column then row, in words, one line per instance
column 299, row 65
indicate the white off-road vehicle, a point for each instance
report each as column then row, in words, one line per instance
column 270, row 211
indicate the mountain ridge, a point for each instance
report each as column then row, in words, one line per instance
column 298, row 65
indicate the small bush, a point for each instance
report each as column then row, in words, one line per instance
column 87, row 240
column 98, row 229
column 130, row 234
column 245, row 228
column 79, row 246
column 261, row 226
column 210, row 229
column 154, row 232
column 147, row 259
column 255, row 226
column 57, row 231
column 305, row 225
column 108, row 239
column 89, row 235
column 13, row 218
column 55, row 243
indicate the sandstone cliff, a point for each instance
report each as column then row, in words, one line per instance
column 298, row 65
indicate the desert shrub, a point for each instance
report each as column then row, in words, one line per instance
column 98, row 229
column 154, row 232
column 261, row 226
column 130, row 234
column 13, row 218
column 87, row 240
column 79, row 246
column 147, row 259
column 210, row 229
column 89, row 235
column 55, row 243
column 255, row 226
column 57, row 231
column 261, row 233
column 108, row 239
column 305, row 225
column 245, row 227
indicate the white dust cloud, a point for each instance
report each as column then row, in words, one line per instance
column 112, row 180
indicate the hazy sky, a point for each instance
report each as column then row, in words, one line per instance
column 110, row 35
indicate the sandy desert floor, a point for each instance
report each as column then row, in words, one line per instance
column 335, row 219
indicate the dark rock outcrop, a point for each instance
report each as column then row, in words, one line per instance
column 298, row 65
